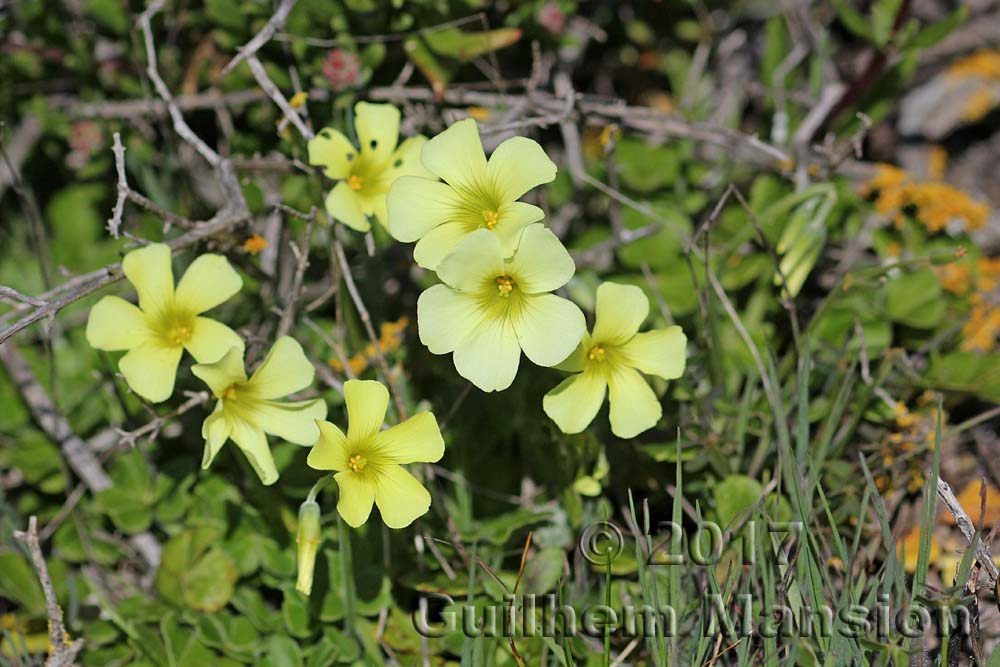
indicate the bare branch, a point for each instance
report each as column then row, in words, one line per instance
column 115, row 221
column 273, row 24
column 62, row 652
column 272, row 91
column 968, row 529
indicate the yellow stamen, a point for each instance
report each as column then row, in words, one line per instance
column 505, row 285
column 180, row 335
column 491, row 218
column 230, row 393
column 357, row 462
column 596, row 353
column 354, row 182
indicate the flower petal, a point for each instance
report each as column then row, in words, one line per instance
column 619, row 312
column 518, row 165
column 406, row 160
column 356, row 495
column 284, row 371
column 150, row 370
column 209, row 281
column 149, row 271
column 634, row 406
column 215, row 429
column 416, row 205
column 253, row 442
column 294, row 422
column 475, row 260
column 366, row 401
column 344, row 204
column 512, row 218
column 541, row 263
column 445, row 317
column 548, row 328
column 456, row 155
column 416, row 439
column 210, row 340
column 220, row 375
column 438, row 243
column 330, row 450
column 488, row 357
column 400, row 497
column 574, row 403
column 116, row 324
column 332, row 151
column 658, row 352
column 377, row 126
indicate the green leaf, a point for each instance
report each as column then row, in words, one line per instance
column 853, row 20
column 646, row 168
column 195, row 572
column 735, row 494
column 883, row 17
column 935, row 32
column 466, row 46
column 295, row 611
column 914, row 299
column 19, row 582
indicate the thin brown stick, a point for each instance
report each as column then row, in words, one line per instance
column 366, row 320
column 62, row 651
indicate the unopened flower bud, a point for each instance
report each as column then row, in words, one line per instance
column 308, row 541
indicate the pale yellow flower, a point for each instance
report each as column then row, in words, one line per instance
column 369, row 461
column 475, row 194
column 247, row 409
column 611, row 359
column 365, row 175
column 489, row 308
column 167, row 320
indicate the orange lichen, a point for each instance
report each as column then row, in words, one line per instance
column 390, row 338
column 937, row 162
column 954, row 277
column 933, row 204
column 983, row 326
column 981, row 102
column 983, row 64
column 255, row 244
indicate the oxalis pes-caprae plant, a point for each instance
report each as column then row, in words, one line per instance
column 498, row 267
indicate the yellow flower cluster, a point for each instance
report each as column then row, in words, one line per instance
column 934, row 204
column 498, row 267
column 168, row 320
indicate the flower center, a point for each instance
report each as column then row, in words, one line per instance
column 354, row 182
column 505, row 285
column 596, row 353
column 179, row 334
column 357, row 462
column 230, row 393
column 491, row 218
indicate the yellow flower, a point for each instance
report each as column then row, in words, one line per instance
column 167, row 321
column 247, row 409
column 489, row 308
column 611, row 359
column 476, row 193
column 369, row 461
column 366, row 174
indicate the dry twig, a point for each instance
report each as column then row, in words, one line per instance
column 62, row 651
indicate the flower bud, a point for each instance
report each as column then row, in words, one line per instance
column 308, row 541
